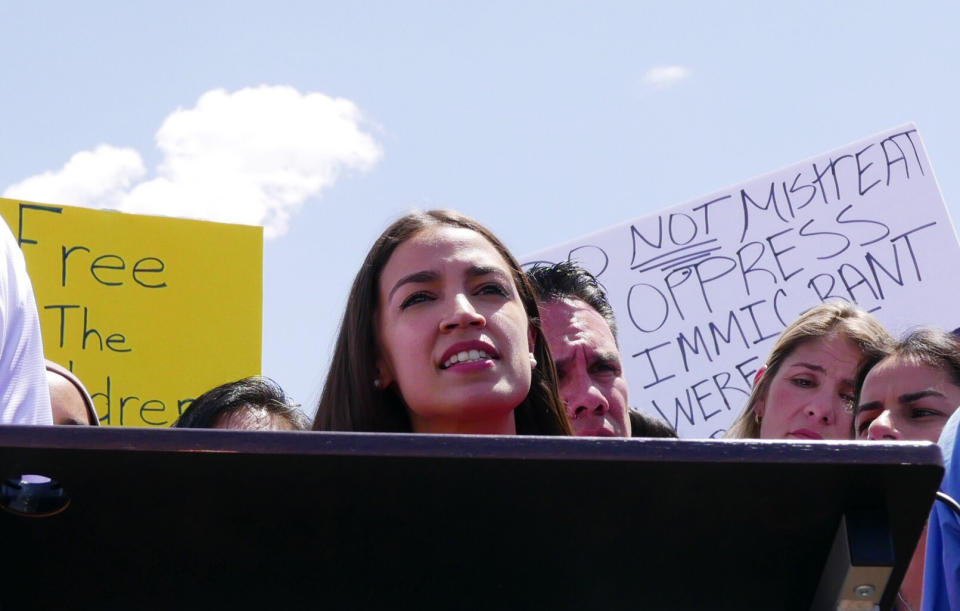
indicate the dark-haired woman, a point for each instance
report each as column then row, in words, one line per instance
column 441, row 335
column 909, row 396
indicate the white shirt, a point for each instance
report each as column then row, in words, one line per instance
column 24, row 394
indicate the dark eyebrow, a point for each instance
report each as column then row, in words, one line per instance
column 867, row 407
column 424, row 276
column 914, row 396
column 607, row 357
column 473, row 271
column 602, row 357
column 481, row 270
column 819, row 369
column 478, row 272
column 904, row 398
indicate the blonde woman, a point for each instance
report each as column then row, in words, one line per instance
column 806, row 389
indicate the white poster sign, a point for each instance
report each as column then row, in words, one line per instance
column 702, row 290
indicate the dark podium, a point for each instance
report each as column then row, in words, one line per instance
column 183, row 519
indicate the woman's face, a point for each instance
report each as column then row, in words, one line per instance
column 903, row 399
column 453, row 334
column 811, row 396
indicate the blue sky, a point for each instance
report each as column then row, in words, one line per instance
column 545, row 120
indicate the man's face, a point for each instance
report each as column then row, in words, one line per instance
column 588, row 367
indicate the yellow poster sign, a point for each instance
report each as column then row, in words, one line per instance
column 147, row 311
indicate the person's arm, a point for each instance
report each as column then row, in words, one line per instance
column 24, row 396
column 941, row 580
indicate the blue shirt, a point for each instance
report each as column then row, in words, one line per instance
column 941, row 575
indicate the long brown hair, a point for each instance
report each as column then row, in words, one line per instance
column 350, row 402
column 852, row 322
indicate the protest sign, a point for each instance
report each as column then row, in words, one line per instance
column 147, row 311
column 702, row 290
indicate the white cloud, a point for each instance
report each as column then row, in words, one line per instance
column 253, row 156
column 662, row 77
column 99, row 178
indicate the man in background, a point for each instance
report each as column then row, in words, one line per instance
column 254, row 404
column 581, row 330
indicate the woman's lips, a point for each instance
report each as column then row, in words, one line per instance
column 470, row 366
column 804, row 434
column 465, row 356
column 468, row 356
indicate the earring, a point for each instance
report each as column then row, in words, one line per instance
column 533, row 361
column 376, row 384
column 756, row 418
